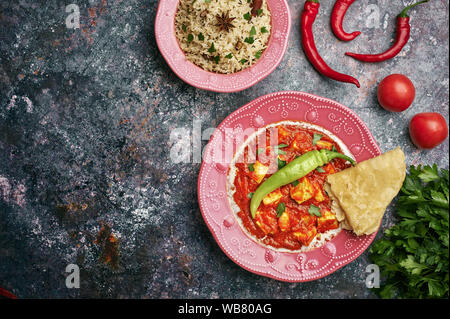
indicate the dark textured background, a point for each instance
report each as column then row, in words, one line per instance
column 85, row 118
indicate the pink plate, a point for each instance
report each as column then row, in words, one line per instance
column 212, row 192
column 196, row 76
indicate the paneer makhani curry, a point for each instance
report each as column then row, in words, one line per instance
column 293, row 215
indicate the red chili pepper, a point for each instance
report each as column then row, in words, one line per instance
column 7, row 294
column 337, row 16
column 403, row 31
column 308, row 17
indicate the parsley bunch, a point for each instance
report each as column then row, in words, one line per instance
column 413, row 255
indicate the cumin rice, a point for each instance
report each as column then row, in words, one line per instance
column 226, row 50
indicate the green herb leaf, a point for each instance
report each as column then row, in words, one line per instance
column 314, row 210
column 320, row 170
column 250, row 195
column 253, row 31
column 277, row 150
column 243, row 61
column 229, row 56
column 280, row 209
column 295, row 183
column 217, row 59
column 183, row 27
column 264, row 30
column 281, row 163
column 334, row 149
column 429, row 174
column 249, row 40
column 201, row 37
column 251, row 168
column 412, row 266
column 190, row 37
column 207, row 1
column 258, row 13
column 316, row 138
column 258, row 54
column 247, row 16
column 212, row 48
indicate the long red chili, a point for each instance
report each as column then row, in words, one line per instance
column 337, row 17
column 403, row 32
column 7, row 294
column 308, row 17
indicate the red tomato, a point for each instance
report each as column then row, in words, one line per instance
column 428, row 130
column 396, row 93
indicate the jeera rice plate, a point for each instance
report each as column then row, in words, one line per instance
column 223, row 36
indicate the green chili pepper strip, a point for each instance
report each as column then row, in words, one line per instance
column 299, row 167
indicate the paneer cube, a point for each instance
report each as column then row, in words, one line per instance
column 306, row 235
column 273, row 198
column 318, row 196
column 259, row 171
column 283, row 221
column 302, row 142
column 266, row 221
column 303, row 222
column 308, row 220
column 324, row 144
column 327, row 221
column 303, row 191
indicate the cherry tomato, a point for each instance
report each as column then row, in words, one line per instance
column 396, row 93
column 428, row 130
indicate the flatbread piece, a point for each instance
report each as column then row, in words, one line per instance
column 361, row 194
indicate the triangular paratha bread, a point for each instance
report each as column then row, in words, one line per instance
column 360, row 194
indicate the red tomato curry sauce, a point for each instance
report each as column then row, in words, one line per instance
column 293, row 215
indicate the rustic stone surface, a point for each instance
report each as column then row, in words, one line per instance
column 85, row 173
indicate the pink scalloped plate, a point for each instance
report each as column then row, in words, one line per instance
column 196, row 76
column 213, row 199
